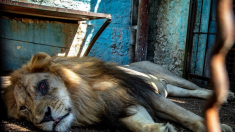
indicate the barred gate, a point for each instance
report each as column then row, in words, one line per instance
column 202, row 34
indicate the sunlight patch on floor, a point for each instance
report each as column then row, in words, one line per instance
column 13, row 127
column 178, row 101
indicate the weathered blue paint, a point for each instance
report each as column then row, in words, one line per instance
column 199, row 41
column 171, row 20
column 22, row 38
column 194, row 53
column 113, row 44
column 15, row 53
column 120, row 11
column 42, row 32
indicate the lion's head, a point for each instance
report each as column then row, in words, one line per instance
column 39, row 96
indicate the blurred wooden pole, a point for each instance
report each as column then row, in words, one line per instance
column 217, row 64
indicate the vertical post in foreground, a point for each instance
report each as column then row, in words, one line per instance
column 217, row 64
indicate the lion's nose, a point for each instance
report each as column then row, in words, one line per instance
column 47, row 117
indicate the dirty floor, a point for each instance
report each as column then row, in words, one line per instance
column 227, row 116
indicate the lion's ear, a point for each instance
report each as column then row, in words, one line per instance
column 10, row 102
column 39, row 62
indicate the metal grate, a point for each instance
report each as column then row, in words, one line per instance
column 230, row 65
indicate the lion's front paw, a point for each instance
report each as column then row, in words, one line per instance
column 226, row 128
column 159, row 127
column 169, row 128
column 198, row 127
column 230, row 95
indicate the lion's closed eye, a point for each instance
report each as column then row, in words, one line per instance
column 43, row 87
column 23, row 107
column 24, row 110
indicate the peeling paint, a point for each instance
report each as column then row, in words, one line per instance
column 114, row 43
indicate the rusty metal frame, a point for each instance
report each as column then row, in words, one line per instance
column 54, row 13
column 107, row 22
column 142, row 30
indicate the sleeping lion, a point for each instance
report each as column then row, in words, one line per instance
column 56, row 93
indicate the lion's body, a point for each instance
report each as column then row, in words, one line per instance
column 55, row 93
column 103, row 90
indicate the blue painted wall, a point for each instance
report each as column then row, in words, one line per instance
column 113, row 44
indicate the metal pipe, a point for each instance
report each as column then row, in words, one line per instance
column 107, row 22
column 142, row 30
column 205, row 33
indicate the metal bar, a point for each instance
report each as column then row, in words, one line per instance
column 207, row 38
column 199, row 77
column 188, row 45
column 142, row 30
column 198, row 35
column 107, row 22
column 49, row 12
column 189, row 40
column 205, row 33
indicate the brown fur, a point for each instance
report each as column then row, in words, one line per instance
column 98, row 90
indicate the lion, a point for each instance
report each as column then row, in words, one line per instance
column 55, row 93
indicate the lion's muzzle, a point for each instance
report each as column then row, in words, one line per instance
column 58, row 120
column 48, row 117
